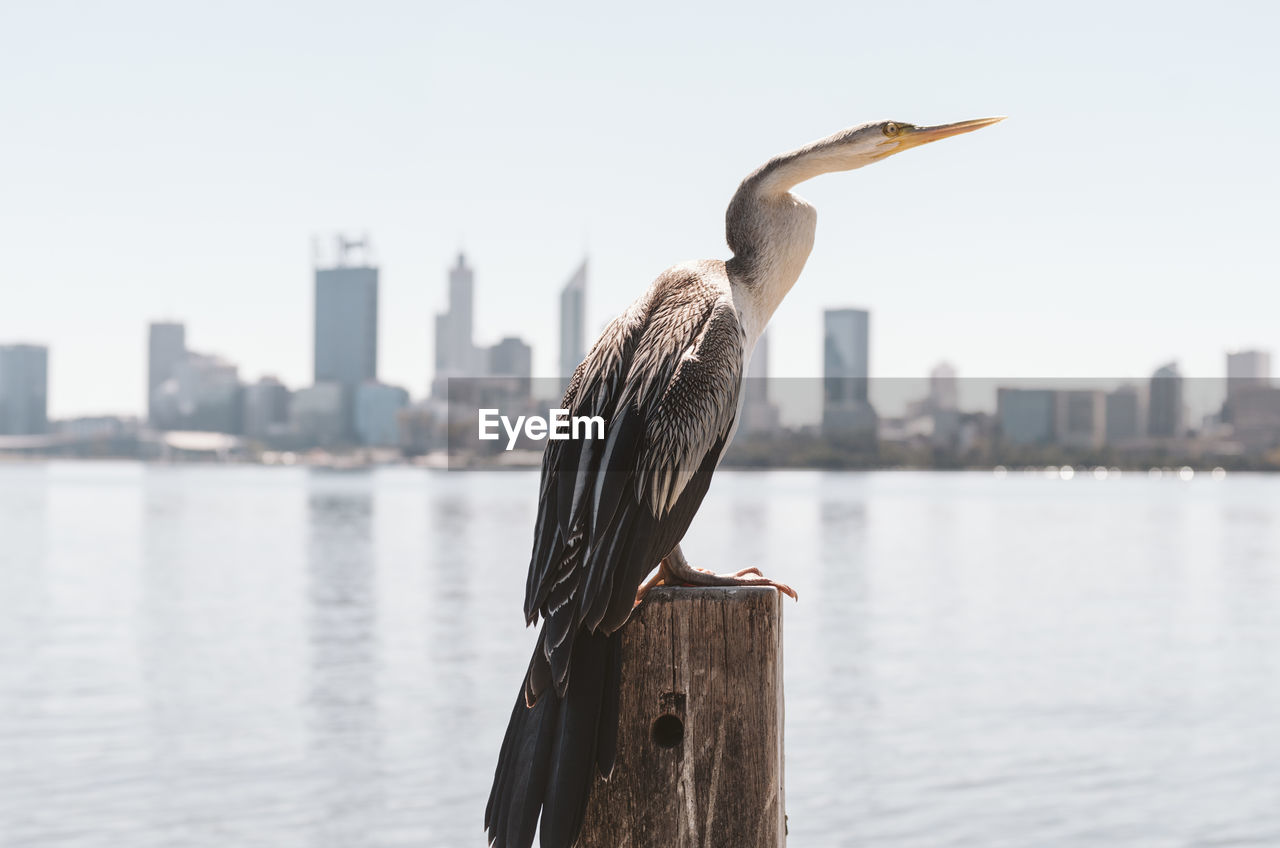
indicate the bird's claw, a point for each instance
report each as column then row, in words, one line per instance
column 684, row 574
column 785, row 589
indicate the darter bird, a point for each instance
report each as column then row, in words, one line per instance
column 666, row 377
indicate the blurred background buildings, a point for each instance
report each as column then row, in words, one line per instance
column 199, row 406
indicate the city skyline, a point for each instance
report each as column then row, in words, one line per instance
column 453, row 340
column 545, row 363
column 347, row 406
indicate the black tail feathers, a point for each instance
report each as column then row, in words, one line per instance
column 549, row 750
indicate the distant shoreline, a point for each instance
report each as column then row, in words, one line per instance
column 1067, row 471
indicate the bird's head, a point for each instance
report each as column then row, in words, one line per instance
column 765, row 220
column 852, row 148
column 881, row 139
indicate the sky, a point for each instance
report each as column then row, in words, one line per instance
column 175, row 160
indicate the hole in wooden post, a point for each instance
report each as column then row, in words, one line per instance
column 668, row 731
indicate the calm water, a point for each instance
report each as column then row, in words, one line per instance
column 253, row 656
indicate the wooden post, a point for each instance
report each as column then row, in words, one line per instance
column 700, row 734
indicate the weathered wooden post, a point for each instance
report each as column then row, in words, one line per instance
column 700, row 735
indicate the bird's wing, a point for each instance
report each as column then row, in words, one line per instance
column 665, row 376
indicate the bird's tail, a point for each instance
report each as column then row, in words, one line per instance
column 550, row 747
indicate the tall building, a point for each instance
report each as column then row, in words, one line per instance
column 1125, row 414
column 511, row 358
column 203, row 393
column 166, row 347
column 1164, row 412
column 1248, row 367
column 1026, row 416
column 944, row 388
column 377, row 409
column 24, row 390
column 456, row 354
column 758, row 414
column 1246, row 370
column 846, row 354
column 318, row 414
column 573, row 322
column 266, row 408
column 1256, row 417
column 1080, row 418
column 346, row 323
column 346, row 320
column 845, row 370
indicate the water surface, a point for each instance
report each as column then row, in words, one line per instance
column 279, row 657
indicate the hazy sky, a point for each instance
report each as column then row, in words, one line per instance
column 169, row 160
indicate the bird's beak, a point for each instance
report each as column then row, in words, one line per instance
column 916, row 136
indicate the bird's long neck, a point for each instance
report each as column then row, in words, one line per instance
column 771, row 234
column 770, row 230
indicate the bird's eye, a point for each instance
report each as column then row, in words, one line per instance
column 891, row 129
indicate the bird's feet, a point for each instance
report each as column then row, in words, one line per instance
column 675, row 570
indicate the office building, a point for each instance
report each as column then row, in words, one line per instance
column 318, row 414
column 1125, row 414
column 1080, row 418
column 944, row 388
column 1256, row 418
column 1165, row 410
column 24, row 390
column 511, row 357
column 1246, row 370
column 1026, row 416
column 203, row 393
column 845, row 370
column 346, row 323
column 573, row 322
column 508, row 369
column 377, row 409
column 266, row 409
column 166, row 347
column 456, row 354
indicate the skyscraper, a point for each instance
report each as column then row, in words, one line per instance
column 346, row 324
column 573, row 322
column 166, row 348
column 1248, row 367
column 1026, row 416
column 1246, row 370
column 203, row 393
column 24, row 389
column 944, row 393
column 377, row 409
column 346, row 328
column 1124, row 414
column 266, row 408
column 318, row 414
column 1080, row 417
column 845, row 370
column 1164, row 409
column 512, row 359
column 455, row 345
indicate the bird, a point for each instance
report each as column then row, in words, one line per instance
column 666, row 375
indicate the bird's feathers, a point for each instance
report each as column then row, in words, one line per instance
column 665, row 377
column 548, row 749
